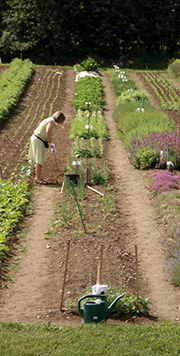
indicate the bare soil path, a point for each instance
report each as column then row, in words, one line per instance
column 34, row 294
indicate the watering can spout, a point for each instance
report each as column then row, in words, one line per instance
column 113, row 304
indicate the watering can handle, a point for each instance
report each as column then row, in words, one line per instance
column 89, row 296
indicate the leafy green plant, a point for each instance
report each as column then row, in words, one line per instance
column 13, row 204
column 78, row 126
column 136, row 95
column 99, row 175
column 82, row 149
column 129, row 303
column 90, row 64
column 145, row 158
column 89, row 89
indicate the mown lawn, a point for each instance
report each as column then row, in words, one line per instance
column 90, row 339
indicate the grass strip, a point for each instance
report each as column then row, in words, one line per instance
column 89, row 340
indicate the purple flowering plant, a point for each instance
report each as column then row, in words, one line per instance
column 158, row 142
column 164, row 181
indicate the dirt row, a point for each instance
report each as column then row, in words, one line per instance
column 143, row 85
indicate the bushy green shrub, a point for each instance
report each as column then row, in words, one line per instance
column 136, row 95
column 174, row 68
column 89, row 65
column 145, row 158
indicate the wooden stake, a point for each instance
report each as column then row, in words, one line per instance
column 1, row 174
column 94, row 190
column 99, row 273
column 56, row 163
column 65, row 272
column 62, row 188
column 137, row 278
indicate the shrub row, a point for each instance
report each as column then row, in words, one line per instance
column 145, row 131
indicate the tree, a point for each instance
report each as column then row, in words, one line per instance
column 52, row 31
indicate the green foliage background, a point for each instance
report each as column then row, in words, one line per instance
column 50, row 31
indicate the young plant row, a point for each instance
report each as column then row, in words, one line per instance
column 168, row 95
column 13, row 206
column 12, row 85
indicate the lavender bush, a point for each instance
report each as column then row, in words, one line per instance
column 173, row 268
column 158, row 142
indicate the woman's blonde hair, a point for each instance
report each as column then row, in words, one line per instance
column 59, row 117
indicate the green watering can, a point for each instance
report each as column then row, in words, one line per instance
column 96, row 311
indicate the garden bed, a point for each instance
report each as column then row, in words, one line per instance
column 35, row 293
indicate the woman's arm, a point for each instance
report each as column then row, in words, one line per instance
column 49, row 131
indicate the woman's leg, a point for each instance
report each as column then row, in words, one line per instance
column 38, row 171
